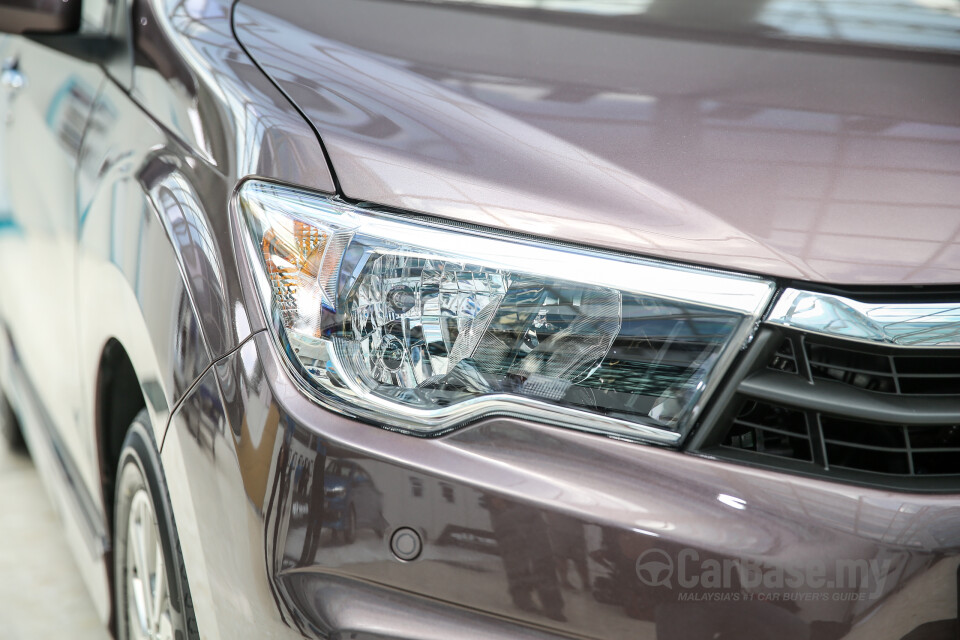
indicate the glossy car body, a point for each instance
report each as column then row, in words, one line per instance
column 351, row 500
column 712, row 137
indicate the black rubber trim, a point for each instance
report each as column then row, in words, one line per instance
column 893, row 294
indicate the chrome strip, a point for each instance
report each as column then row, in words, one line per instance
column 898, row 324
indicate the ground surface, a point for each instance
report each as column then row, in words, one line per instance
column 41, row 592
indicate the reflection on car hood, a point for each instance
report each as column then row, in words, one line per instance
column 800, row 146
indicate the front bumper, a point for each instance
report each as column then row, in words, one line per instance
column 531, row 531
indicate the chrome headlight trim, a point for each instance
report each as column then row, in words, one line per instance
column 744, row 294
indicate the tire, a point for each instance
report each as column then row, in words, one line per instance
column 143, row 519
column 10, row 427
column 350, row 527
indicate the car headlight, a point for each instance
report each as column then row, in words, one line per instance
column 422, row 326
column 336, row 492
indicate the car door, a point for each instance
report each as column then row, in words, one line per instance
column 8, row 78
column 48, row 95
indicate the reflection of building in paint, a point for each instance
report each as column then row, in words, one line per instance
column 908, row 24
column 256, row 455
column 429, row 504
column 813, row 175
column 736, row 125
column 67, row 113
column 352, row 500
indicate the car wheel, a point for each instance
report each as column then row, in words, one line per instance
column 10, row 427
column 350, row 528
column 152, row 597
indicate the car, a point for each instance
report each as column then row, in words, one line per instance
column 433, row 319
column 351, row 501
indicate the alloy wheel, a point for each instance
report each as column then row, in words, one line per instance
column 148, row 594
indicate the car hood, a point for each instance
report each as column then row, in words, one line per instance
column 744, row 138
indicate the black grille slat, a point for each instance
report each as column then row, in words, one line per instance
column 929, row 374
column 844, row 449
column 868, row 447
column 879, row 374
column 785, row 358
column 856, row 433
column 782, row 432
column 861, row 459
column 953, row 376
column 789, row 438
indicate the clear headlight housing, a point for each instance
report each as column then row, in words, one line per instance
column 424, row 327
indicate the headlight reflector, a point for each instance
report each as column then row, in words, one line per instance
column 422, row 326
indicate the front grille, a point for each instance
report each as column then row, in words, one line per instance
column 877, row 415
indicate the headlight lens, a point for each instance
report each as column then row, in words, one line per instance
column 423, row 327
